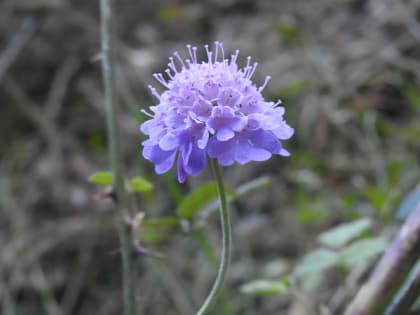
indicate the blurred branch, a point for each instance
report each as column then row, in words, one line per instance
column 108, row 70
column 16, row 45
column 40, row 280
column 408, row 296
column 60, row 85
column 77, row 281
column 8, row 305
column 173, row 285
column 391, row 271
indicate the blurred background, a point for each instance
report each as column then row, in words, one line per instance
column 348, row 72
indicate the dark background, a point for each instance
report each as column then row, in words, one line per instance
column 348, row 73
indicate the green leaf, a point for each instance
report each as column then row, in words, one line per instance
column 169, row 14
column 158, row 229
column 153, row 235
column 166, row 222
column 276, row 268
column 266, row 287
column 254, row 184
column 293, row 88
column 309, row 215
column 315, row 262
column 362, row 251
column 394, row 171
column 139, row 184
column 413, row 94
column 288, row 32
column 173, row 187
column 411, row 133
column 197, row 199
column 377, row 196
column 96, row 139
column 205, row 246
column 345, row 233
column 101, row 178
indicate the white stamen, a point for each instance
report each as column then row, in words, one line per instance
column 176, row 54
column 267, row 79
column 172, row 65
column 216, row 50
column 234, row 57
column 168, row 72
column 159, row 77
column 222, row 50
column 146, row 113
column 209, row 53
column 189, row 50
column 248, row 62
column 154, row 91
column 277, row 103
column 252, row 71
column 194, row 56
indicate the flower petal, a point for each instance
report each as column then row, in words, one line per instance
column 284, row 132
column 170, row 141
column 182, row 175
column 265, row 140
column 196, row 163
column 156, row 154
column 245, row 152
column 165, row 165
column 216, row 148
column 224, row 134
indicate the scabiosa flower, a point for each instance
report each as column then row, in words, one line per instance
column 211, row 108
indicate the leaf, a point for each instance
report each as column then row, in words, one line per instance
column 413, row 95
column 96, row 139
column 411, row 133
column 103, row 178
column 197, row 199
column 139, row 184
column 377, row 196
column 345, row 233
column 266, row 287
column 362, row 251
column 173, row 187
column 169, row 14
column 288, row 33
column 315, row 262
column 293, row 88
column 152, row 235
column 310, row 215
column 393, row 172
column 254, row 184
column 204, row 245
column 166, row 222
column 158, row 229
column 276, row 268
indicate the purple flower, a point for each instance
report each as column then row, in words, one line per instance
column 211, row 109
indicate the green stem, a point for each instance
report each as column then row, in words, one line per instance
column 226, row 243
column 108, row 70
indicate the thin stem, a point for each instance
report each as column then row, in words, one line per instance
column 391, row 271
column 108, row 70
column 408, row 294
column 226, row 243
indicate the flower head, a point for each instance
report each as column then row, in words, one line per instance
column 211, row 108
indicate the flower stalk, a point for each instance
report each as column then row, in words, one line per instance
column 111, row 102
column 226, row 243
